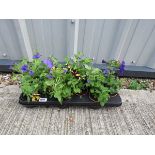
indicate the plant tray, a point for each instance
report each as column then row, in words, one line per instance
column 77, row 100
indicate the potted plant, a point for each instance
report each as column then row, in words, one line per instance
column 77, row 82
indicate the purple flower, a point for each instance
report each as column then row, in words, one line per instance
column 48, row 63
column 49, row 76
column 65, row 70
column 10, row 67
column 37, row 56
column 122, row 67
column 106, row 71
column 24, row 68
column 31, row 72
column 103, row 61
column 88, row 81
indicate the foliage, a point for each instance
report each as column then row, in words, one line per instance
column 95, row 83
column 136, row 85
column 112, row 81
column 51, row 79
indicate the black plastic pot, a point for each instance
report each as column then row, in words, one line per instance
column 77, row 100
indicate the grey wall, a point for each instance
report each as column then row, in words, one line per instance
column 51, row 37
column 129, row 40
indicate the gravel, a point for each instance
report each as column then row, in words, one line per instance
column 6, row 79
column 150, row 83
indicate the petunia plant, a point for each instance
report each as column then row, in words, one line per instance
column 51, row 79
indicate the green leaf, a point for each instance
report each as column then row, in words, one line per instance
column 58, row 96
column 102, row 103
column 77, row 90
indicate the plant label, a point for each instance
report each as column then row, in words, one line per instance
column 43, row 100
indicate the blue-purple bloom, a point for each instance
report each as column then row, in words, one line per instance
column 103, row 61
column 37, row 56
column 24, row 68
column 31, row 72
column 106, row 71
column 122, row 67
column 49, row 76
column 48, row 63
column 88, row 81
column 10, row 67
column 65, row 70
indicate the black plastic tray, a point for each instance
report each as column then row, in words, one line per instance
column 77, row 100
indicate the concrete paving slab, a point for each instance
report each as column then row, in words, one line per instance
column 136, row 116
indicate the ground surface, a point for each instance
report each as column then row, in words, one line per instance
column 135, row 116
